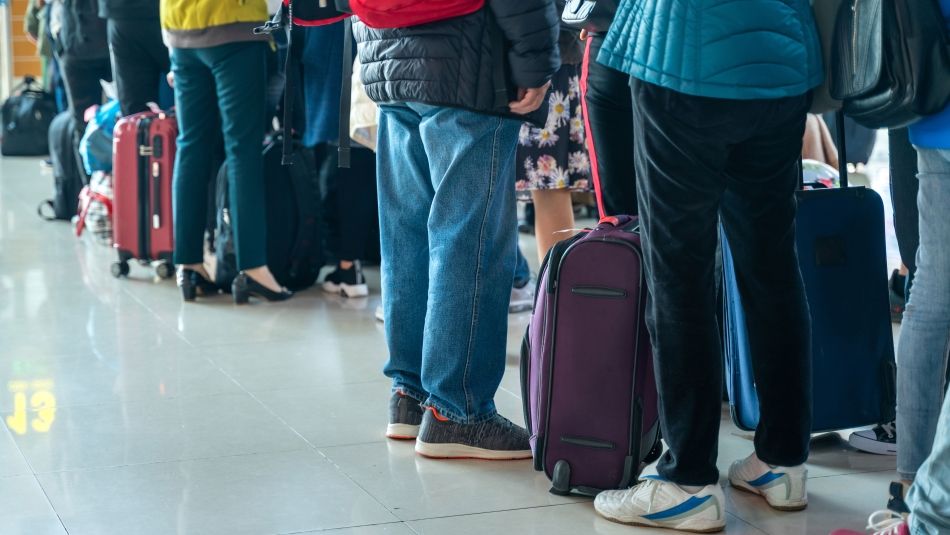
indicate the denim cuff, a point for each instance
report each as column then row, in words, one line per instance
column 409, row 391
column 459, row 418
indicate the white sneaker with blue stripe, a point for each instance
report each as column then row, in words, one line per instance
column 784, row 488
column 658, row 503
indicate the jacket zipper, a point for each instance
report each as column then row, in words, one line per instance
column 854, row 37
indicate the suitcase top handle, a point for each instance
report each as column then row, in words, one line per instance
column 626, row 222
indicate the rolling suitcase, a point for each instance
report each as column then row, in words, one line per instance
column 842, row 254
column 143, row 161
column 589, row 392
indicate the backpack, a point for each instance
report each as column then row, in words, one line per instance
column 82, row 34
column 67, row 178
column 26, row 119
column 891, row 61
column 295, row 250
column 95, row 146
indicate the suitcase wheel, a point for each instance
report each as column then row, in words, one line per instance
column 165, row 270
column 120, row 269
column 561, row 479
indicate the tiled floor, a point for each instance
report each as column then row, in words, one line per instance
column 127, row 412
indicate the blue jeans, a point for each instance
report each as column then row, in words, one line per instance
column 925, row 332
column 448, row 229
column 929, row 497
column 226, row 80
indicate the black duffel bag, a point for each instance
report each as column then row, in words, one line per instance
column 891, row 61
column 26, row 119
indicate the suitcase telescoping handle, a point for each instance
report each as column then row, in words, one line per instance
column 840, row 139
column 842, row 148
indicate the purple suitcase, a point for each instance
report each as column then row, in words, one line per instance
column 587, row 366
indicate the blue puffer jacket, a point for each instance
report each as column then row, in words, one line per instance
column 934, row 132
column 734, row 49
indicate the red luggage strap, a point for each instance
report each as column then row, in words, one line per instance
column 86, row 197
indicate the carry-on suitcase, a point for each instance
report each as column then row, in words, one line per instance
column 842, row 254
column 143, row 161
column 589, row 391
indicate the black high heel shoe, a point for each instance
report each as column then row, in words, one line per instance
column 244, row 286
column 190, row 282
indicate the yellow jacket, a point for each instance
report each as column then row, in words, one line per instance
column 196, row 23
column 201, row 14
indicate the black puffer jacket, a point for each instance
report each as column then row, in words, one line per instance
column 128, row 9
column 475, row 62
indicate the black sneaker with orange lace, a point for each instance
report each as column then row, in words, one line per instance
column 496, row 439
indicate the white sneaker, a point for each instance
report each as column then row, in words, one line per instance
column 347, row 282
column 784, row 488
column 880, row 439
column 380, row 315
column 522, row 299
column 658, row 503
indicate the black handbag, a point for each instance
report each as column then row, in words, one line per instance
column 26, row 118
column 891, row 61
column 592, row 15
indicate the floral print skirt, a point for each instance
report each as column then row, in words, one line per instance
column 555, row 157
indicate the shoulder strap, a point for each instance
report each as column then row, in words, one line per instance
column 291, row 72
column 345, row 92
column 48, row 203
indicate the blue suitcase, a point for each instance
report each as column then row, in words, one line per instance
column 842, row 254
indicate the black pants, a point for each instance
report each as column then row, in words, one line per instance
column 350, row 204
column 81, row 78
column 904, row 196
column 610, row 116
column 701, row 161
column 139, row 59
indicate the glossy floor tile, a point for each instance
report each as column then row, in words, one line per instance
column 248, row 494
column 127, row 412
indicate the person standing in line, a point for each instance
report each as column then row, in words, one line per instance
column 720, row 91
column 219, row 64
column 552, row 158
column 139, row 57
column 81, row 46
column 446, row 154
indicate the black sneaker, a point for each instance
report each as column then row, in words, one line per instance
column 896, row 296
column 895, row 501
column 494, row 440
column 347, row 282
column 880, row 439
column 405, row 416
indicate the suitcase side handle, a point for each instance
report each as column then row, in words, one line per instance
column 156, row 195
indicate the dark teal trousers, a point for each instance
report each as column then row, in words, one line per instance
column 226, row 82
